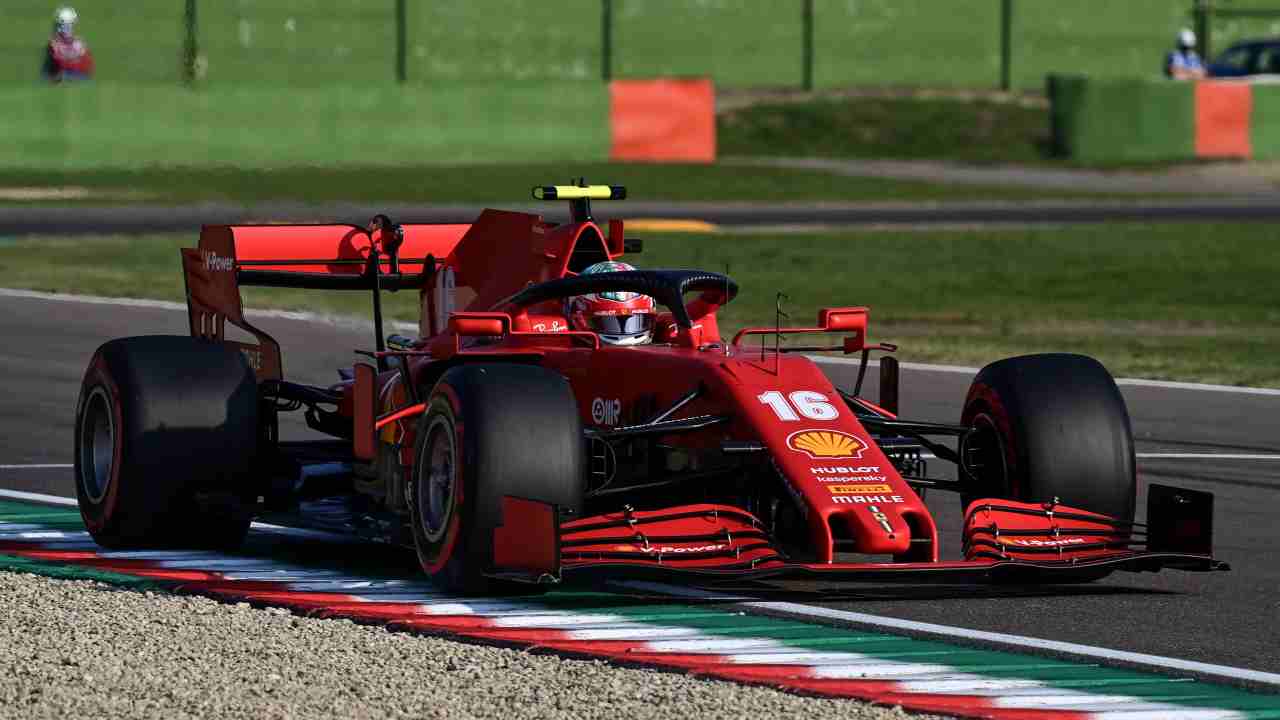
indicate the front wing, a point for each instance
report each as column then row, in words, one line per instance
column 703, row 544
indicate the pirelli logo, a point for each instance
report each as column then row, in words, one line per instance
column 858, row 489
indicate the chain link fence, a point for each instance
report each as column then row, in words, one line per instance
column 740, row 43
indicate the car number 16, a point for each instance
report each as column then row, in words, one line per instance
column 807, row 403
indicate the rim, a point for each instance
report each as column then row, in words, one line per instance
column 97, row 445
column 984, row 455
column 438, row 482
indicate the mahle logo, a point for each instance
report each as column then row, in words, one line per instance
column 826, row 444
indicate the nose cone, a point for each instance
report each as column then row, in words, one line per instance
column 873, row 523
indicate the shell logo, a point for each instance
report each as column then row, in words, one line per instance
column 826, row 444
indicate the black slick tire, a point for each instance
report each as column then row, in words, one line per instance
column 165, row 436
column 490, row 430
column 1051, row 426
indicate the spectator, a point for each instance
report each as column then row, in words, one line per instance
column 67, row 57
column 1183, row 63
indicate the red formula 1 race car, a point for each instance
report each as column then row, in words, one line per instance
column 512, row 446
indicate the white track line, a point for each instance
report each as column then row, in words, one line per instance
column 1122, row 657
column 404, row 326
column 1022, row 641
column 1132, row 382
column 37, row 497
column 92, row 299
column 335, row 320
column 1206, row 456
column 927, row 456
column 1180, row 456
column 44, row 499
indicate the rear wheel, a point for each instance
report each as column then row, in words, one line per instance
column 489, row 431
column 165, row 434
column 1050, row 426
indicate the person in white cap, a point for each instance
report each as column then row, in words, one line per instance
column 1182, row 63
column 67, row 57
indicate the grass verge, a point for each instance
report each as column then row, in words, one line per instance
column 500, row 184
column 976, row 131
column 1186, row 302
column 138, row 126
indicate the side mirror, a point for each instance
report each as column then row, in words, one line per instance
column 480, row 324
column 846, row 319
column 619, row 244
column 850, row 320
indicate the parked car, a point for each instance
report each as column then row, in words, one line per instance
column 1248, row 57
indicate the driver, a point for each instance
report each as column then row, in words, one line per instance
column 619, row 318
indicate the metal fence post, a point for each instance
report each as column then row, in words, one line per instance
column 1006, row 45
column 807, row 50
column 606, row 40
column 1200, row 11
column 190, row 46
column 401, row 41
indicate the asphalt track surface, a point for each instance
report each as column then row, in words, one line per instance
column 1227, row 618
column 142, row 218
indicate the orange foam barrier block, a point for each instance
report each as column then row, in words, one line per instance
column 666, row 120
column 1222, row 119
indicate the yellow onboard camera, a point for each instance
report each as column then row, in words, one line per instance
column 579, row 192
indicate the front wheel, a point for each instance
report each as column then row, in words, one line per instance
column 1050, row 426
column 489, row 431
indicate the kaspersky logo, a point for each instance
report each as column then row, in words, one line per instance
column 826, row 444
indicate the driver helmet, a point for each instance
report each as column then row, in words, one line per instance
column 619, row 318
column 1186, row 39
column 64, row 21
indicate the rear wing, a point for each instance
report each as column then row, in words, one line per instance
column 387, row 256
column 318, row 257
